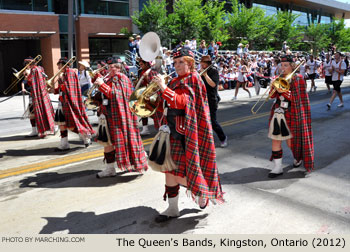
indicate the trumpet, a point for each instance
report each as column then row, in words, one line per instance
column 50, row 83
column 94, row 73
column 280, row 84
column 20, row 75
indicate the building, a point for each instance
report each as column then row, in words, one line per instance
column 32, row 27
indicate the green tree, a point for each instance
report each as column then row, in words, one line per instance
column 340, row 35
column 214, row 28
column 187, row 20
column 153, row 17
column 286, row 30
column 318, row 37
column 251, row 25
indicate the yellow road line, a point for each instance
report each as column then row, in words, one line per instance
column 243, row 119
column 94, row 154
column 57, row 162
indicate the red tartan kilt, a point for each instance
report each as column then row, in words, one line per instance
column 178, row 155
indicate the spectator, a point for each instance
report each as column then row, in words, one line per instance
column 240, row 50
column 193, row 44
column 202, row 48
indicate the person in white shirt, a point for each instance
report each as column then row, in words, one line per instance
column 84, row 77
column 240, row 50
column 311, row 66
column 193, row 44
column 302, row 68
column 337, row 70
column 327, row 65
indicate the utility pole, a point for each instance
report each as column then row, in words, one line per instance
column 70, row 28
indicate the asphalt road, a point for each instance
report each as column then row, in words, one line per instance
column 42, row 191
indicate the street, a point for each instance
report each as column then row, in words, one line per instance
column 47, row 192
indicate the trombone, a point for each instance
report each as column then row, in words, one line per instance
column 20, row 75
column 50, row 83
column 281, row 84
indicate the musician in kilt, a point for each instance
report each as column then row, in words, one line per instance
column 41, row 113
column 71, row 114
column 186, row 112
column 118, row 128
column 148, row 73
column 290, row 120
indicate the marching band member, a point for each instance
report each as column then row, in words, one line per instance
column 290, row 120
column 145, row 69
column 191, row 139
column 118, row 128
column 211, row 80
column 41, row 113
column 71, row 110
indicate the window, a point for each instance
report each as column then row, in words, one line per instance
column 101, row 48
column 25, row 5
column 105, row 7
column 64, row 45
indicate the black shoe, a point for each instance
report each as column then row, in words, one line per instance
column 204, row 206
column 328, row 106
column 274, row 175
column 296, row 165
column 163, row 218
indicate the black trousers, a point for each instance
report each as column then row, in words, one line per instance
column 214, row 123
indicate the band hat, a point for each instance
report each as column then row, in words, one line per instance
column 62, row 61
column 287, row 58
column 240, row 44
column 28, row 59
column 182, row 51
column 206, row 59
column 111, row 60
column 84, row 63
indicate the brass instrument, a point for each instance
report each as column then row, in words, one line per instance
column 97, row 71
column 280, row 84
column 50, row 83
column 144, row 101
column 20, row 75
column 210, row 66
column 94, row 97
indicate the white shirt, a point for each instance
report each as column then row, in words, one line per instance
column 273, row 70
column 302, row 70
column 84, row 78
column 193, row 45
column 340, row 65
column 312, row 66
column 327, row 67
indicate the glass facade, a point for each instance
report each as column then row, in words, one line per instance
column 305, row 16
column 64, row 45
column 25, row 5
column 101, row 48
column 105, row 7
column 95, row 7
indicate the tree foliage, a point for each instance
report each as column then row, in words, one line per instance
column 210, row 21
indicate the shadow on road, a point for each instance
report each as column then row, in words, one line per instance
column 39, row 152
column 134, row 220
column 256, row 174
column 86, row 178
column 18, row 138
